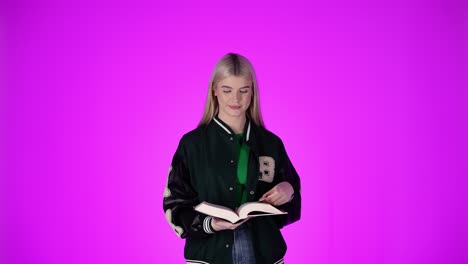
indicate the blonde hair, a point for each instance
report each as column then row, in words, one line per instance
column 232, row 64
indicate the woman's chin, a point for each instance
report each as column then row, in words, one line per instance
column 236, row 113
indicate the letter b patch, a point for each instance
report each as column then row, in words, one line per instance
column 267, row 169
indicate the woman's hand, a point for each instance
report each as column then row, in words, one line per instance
column 218, row 224
column 278, row 195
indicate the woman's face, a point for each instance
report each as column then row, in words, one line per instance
column 234, row 94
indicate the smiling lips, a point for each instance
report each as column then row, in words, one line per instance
column 234, row 107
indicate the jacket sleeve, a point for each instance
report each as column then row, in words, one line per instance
column 180, row 197
column 288, row 173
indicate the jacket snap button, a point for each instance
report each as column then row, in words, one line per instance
column 230, row 188
column 231, row 138
column 232, row 161
column 251, row 192
column 227, row 245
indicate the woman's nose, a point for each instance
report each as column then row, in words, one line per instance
column 237, row 96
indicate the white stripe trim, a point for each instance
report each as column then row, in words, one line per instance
column 206, row 225
column 248, row 132
column 209, row 225
column 189, row 261
column 219, row 123
column 279, row 261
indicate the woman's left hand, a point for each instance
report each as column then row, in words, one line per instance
column 278, row 195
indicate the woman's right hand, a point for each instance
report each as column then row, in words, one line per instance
column 219, row 224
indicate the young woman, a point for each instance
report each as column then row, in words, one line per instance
column 230, row 159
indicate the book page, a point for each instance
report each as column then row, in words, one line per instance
column 217, row 211
column 259, row 208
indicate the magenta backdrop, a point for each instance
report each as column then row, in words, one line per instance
column 370, row 99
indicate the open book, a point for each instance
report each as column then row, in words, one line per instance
column 246, row 210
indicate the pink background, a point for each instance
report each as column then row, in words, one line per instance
column 370, row 99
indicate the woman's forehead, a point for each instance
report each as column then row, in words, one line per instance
column 235, row 81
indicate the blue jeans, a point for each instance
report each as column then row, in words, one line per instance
column 242, row 250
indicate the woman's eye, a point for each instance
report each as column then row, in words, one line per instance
column 226, row 91
column 245, row 91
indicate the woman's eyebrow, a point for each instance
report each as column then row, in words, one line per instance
column 225, row 86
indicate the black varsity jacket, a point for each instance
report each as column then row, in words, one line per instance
column 204, row 168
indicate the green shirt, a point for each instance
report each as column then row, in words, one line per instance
column 242, row 168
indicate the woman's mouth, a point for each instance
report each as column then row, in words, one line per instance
column 234, row 107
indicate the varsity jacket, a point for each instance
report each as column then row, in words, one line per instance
column 204, row 168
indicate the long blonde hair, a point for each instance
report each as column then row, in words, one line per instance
column 232, row 64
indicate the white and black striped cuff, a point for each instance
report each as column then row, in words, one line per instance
column 190, row 261
column 281, row 261
column 207, row 225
